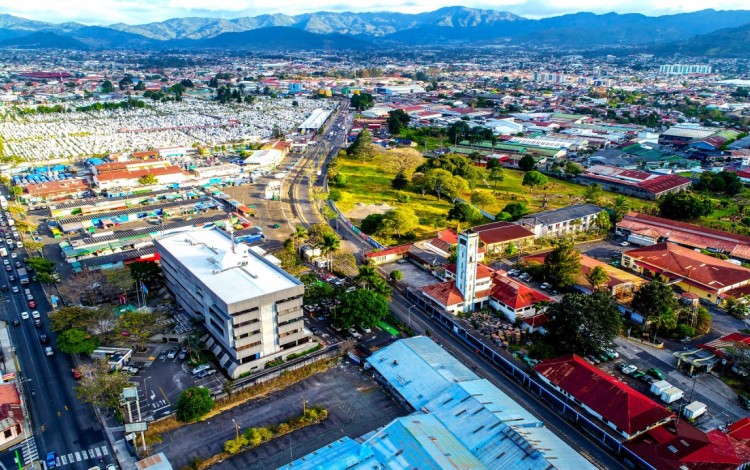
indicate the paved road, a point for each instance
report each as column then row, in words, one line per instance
column 60, row 422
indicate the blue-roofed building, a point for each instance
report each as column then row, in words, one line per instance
column 417, row 369
column 461, row 421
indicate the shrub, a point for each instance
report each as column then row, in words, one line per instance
column 334, row 195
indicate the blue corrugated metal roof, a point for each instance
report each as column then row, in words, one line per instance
column 419, row 369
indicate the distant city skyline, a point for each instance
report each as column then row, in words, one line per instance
column 140, row 11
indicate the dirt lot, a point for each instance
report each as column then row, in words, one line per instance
column 355, row 403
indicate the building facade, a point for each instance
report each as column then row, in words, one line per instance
column 576, row 218
column 252, row 309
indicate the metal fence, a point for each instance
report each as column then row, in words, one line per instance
column 558, row 403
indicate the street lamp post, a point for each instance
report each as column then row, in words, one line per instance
column 236, row 430
column 409, row 310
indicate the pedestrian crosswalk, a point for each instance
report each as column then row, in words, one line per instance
column 81, row 455
column 29, row 451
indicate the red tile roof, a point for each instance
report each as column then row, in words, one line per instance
column 10, row 403
column 740, row 430
column 680, row 445
column 617, row 402
column 483, row 272
column 448, row 236
column 396, row 250
column 683, row 233
column 722, row 346
column 515, row 294
column 135, row 174
column 709, row 273
column 664, row 183
column 50, row 188
column 445, row 293
column 501, row 232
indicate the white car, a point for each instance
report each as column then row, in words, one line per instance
column 35, row 314
column 624, row 244
column 25, row 315
column 13, row 255
column 19, row 244
column 545, row 286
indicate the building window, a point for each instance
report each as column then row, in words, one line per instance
column 8, row 433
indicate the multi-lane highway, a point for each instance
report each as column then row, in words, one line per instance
column 60, row 423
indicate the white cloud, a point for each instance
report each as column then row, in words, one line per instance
column 142, row 11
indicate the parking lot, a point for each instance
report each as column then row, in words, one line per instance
column 414, row 276
column 161, row 380
column 355, row 402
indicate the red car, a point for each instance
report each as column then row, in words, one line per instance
column 76, row 373
column 32, row 304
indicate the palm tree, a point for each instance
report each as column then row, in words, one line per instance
column 621, row 207
column 365, row 276
column 329, row 244
column 300, row 233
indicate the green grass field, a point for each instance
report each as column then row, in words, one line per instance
column 368, row 184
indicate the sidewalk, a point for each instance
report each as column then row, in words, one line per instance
column 11, row 367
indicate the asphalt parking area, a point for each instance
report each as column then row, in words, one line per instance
column 355, row 402
column 161, row 381
column 413, row 275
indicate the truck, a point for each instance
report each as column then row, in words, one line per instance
column 694, row 410
column 670, row 395
column 23, row 276
column 659, row 386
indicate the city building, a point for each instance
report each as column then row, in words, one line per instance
column 458, row 421
column 684, row 69
column 117, row 175
column 645, row 230
column 681, row 135
column 53, row 190
column 556, row 222
column 264, row 158
column 11, row 415
column 678, row 445
column 709, row 278
column 497, row 237
column 635, row 183
column 621, row 407
column 315, row 120
column 252, row 308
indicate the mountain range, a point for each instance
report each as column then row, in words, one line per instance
column 450, row 25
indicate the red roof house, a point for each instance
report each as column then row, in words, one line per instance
column 681, row 446
column 621, row 407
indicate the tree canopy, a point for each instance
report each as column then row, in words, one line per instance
column 684, row 205
column 99, row 386
column 362, row 148
column 534, row 178
column 76, row 341
column 527, row 163
column 482, row 198
column 398, row 221
column 584, row 324
column 464, row 212
column 361, row 307
column 362, row 101
column 398, row 120
column 562, row 265
column 657, row 303
column 516, row 210
column 193, row 404
column 442, row 182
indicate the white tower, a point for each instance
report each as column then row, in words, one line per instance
column 466, row 267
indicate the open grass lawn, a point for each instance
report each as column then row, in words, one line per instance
column 367, row 184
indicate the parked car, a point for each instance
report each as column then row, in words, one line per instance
column 545, row 286
column 182, row 355
column 15, row 290
column 43, row 338
column 355, row 334
column 198, row 369
column 205, row 373
column 172, row 353
column 637, row 374
column 654, row 372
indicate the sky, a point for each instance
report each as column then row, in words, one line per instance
column 103, row 12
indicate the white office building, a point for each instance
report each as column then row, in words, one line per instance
column 252, row 309
column 684, row 69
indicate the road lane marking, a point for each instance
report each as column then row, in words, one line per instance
column 98, row 452
column 78, row 456
column 104, row 450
